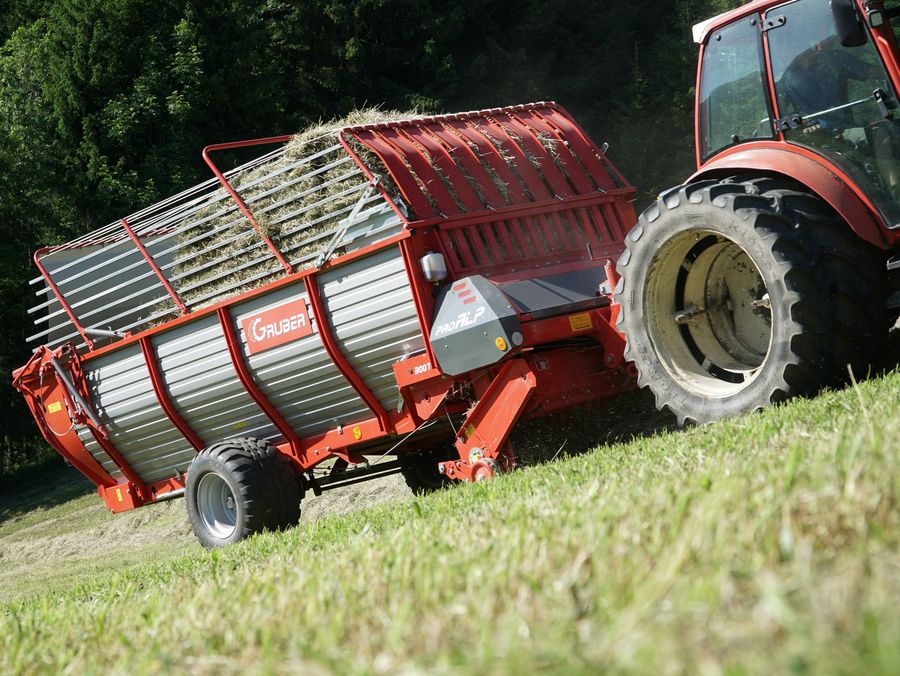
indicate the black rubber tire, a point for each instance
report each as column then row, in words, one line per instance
column 824, row 286
column 421, row 471
column 265, row 490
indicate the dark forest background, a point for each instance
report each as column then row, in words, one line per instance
column 106, row 104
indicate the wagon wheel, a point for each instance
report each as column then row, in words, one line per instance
column 240, row 487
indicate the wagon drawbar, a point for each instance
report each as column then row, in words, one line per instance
column 393, row 297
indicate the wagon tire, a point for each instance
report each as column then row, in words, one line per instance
column 742, row 292
column 239, row 487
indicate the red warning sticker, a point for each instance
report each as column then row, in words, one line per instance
column 276, row 326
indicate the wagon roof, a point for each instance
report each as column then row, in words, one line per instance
column 448, row 165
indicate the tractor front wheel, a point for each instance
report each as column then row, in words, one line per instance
column 739, row 293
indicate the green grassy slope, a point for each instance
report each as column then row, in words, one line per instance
column 766, row 543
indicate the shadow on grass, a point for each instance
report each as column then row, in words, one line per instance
column 586, row 427
column 45, row 485
column 627, row 417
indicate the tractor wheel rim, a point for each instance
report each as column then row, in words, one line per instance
column 216, row 505
column 712, row 327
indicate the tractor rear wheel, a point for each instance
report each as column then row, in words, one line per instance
column 240, row 487
column 743, row 292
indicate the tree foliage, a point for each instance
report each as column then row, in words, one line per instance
column 104, row 104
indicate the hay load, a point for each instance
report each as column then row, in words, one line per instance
column 312, row 202
column 300, row 195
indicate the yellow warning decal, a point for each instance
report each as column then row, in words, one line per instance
column 470, row 430
column 357, row 433
column 54, row 407
column 581, row 322
column 119, row 494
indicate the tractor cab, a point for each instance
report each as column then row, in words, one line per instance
column 815, row 75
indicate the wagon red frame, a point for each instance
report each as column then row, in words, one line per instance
column 578, row 187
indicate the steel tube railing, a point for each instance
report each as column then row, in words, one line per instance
column 167, row 246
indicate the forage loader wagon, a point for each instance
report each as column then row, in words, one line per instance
column 389, row 297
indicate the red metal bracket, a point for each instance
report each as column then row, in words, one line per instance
column 570, row 376
column 612, row 340
column 162, row 396
column 422, row 295
column 422, row 385
column 88, row 417
column 38, row 392
column 61, row 298
column 136, row 482
column 481, row 441
column 153, row 266
column 237, row 198
column 340, row 361
column 371, row 177
column 246, row 378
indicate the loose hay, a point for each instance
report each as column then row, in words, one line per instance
column 299, row 198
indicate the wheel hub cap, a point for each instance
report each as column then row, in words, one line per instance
column 216, row 505
column 709, row 313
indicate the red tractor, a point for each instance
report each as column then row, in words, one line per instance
column 768, row 273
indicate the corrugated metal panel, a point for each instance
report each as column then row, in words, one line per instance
column 120, row 388
column 374, row 317
column 299, row 378
column 371, row 225
column 203, row 385
column 128, row 288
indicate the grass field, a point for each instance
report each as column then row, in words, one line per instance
column 766, row 544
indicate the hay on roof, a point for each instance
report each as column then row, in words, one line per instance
column 298, row 199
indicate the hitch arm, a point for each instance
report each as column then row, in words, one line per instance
column 481, row 440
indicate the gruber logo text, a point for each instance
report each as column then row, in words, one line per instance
column 276, row 326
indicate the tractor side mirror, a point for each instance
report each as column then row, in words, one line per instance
column 850, row 29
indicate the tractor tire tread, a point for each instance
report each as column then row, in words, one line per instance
column 833, row 282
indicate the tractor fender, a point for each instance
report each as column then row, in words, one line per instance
column 813, row 171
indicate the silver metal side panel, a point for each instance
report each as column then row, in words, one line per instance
column 128, row 282
column 122, row 393
column 371, row 308
column 299, row 378
column 203, row 385
column 370, row 226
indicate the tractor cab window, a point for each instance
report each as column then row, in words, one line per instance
column 892, row 10
column 836, row 100
column 733, row 105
